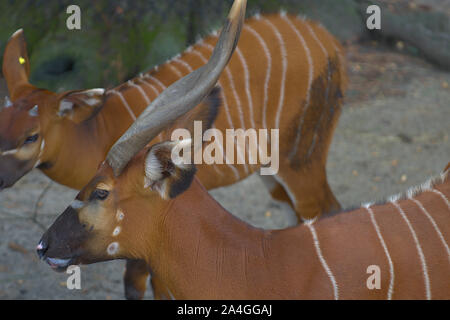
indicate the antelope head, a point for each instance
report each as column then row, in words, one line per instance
column 104, row 221
column 30, row 114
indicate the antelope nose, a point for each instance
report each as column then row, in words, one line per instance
column 41, row 249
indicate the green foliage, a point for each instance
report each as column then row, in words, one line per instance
column 120, row 38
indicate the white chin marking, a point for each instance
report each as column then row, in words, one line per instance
column 113, row 248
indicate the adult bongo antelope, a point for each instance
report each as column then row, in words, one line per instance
column 144, row 203
column 287, row 73
column 197, row 250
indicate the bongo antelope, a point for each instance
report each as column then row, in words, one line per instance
column 287, row 73
column 145, row 204
column 195, row 249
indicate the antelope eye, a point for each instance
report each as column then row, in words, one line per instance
column 99, row 194
column 31, row 139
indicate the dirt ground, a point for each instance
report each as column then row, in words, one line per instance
column 393, row 134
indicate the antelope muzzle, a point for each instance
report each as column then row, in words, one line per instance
column 62, row 244
column 12, row 169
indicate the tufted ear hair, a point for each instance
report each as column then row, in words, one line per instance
column 169, row 169
column 79, row 106
column 16, row 65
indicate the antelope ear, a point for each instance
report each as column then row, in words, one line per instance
column 206, row 112
column 16, row 65
column 79, row 106
column 447, row 168
column 168, row 168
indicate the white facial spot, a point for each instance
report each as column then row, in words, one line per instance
column 113, row 248
column 13, row 151
column 8, row 102
column 120, row 215
column 34, row 111
column 116, row 231
column 77, row 204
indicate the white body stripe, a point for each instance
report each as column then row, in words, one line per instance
column 442, row 196
column 235, row 171
column 335, row 47
column 238, row 102
column 159, row 83
column 141, row 91
column 308, row 90
column 388, row 256
column 190, row 69
column 170, row 294
column 175, row 70
column 184, row 63
column 247, row 85
column 419, row 250
column 269, row 71
column 227, row 111
column 284, row 71
column 314, row 35
column 249, row 96
column 149, row 85
column 435, row 226
column 125, row 103
column 323, row 262
column 233, row 89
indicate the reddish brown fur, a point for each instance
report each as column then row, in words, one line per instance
column 71, row 142
column 195, row 249
column 226, row 259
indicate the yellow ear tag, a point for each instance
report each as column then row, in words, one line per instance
column 21, row 60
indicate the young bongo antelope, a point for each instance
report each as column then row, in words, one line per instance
column 287, row 73
column 145, row 204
